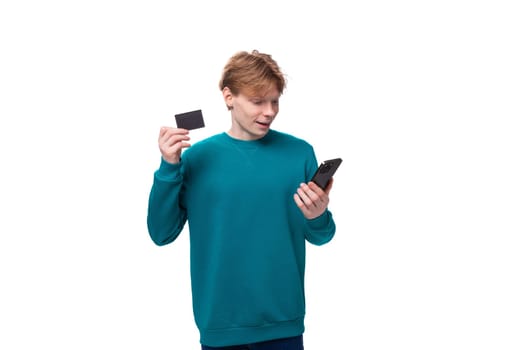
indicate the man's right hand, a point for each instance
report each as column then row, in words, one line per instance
column 171, row 143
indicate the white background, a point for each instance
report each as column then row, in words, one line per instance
column 423, row 100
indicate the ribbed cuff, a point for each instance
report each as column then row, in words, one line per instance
column 168, row 171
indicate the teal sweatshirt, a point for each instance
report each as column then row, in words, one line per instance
column 247, row 235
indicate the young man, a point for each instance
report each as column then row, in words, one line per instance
column 250, row 207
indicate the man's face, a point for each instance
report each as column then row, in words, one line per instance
column 253, row 115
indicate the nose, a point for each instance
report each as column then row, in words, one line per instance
column 270, row 110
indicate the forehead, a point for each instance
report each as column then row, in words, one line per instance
column 270, row 92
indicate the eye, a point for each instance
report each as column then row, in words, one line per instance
column 257, row 102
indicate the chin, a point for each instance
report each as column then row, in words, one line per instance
column 263, row 132
column 259, row 134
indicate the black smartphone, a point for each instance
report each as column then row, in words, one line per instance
column 325, row 171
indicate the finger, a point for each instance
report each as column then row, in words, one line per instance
column 308, row 212
column 313, row 191
column 166, row 132
column 162, row 132
column 315, row 188
column 170, row 150
column 300, row 204
column 322, row 193
column 305, row 195
column 173, row 139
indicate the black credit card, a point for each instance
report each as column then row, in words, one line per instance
column 190, row 120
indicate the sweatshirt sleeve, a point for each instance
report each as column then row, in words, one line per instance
column 166, row 215
column 320, row 230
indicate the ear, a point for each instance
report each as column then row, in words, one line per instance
column 228, row 97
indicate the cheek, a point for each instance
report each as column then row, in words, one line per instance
column 250, row 111
column 244, row 113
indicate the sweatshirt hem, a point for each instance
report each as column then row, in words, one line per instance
column 249, row 335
